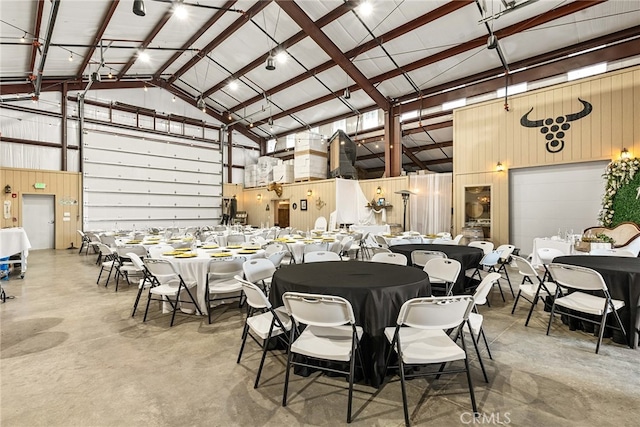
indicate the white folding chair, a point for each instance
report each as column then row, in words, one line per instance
column 156, row 251
column 221, row 284
column 124, row 266
column 398, row 241
column 168, row 284
column 262, row 321
column 443, row 271
column 547, row 255
column 419, row 338
column 277, row 257
column 389, row 258
column 259, row 270
column 583, row 279
column 489, row 260
column 505, row 257
column 144, row 283
column 532, row 288
column 330, row 334
column 321, row 256
column 612, row 252
column 486, row 247
column 419, row 258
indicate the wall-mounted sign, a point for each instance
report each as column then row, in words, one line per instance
column 39, row 185
column 554, row 129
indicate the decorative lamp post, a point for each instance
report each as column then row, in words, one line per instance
column 405, row 199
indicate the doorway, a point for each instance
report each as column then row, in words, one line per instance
column 38, row 220
column 283, row 214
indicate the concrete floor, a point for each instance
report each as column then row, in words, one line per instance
column 72, row 355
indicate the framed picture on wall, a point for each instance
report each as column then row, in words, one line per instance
column 381, row 201
column 303, row 204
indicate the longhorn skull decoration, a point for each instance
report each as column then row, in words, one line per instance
column 274, row 186
column 554, row 130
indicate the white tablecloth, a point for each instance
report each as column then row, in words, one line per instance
column 15, row 241
column 544, row 242
column 373, row 229
column 196, row 268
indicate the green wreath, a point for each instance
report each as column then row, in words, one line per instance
column 620, row 201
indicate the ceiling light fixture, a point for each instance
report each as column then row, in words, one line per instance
column 233, row 85
column 23, row 38
column 110, row 75
column 271, row 62
column 180, row 11
column 365, row 8
column 281, row 57
column 173, row 99
column 270, row 124
column 200, row 103
column 346, row 94
column 70, row 56
column 144, row 56
column 138, row 7
column 146, row 89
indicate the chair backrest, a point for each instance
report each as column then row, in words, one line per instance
column 441, row 241
column 335, row 246
column 235, row 239
column 456, row 240
column 314, row 247
column 179, row 244
column 224, row 269
column 399, row 241
column 420, row 258
column 525, row 268
column 389, row 258
column 320, row 224
column 258, row 269
column 321, row 256
column 284, row 232
column 485, row 246
column 136, row 260
column 444, row 235
column 273, row 248
column 381, row 241
column 161, row 269
column 109, row 240
column 573, row 276
column 104, row 249
column 413, row 239
column 255, row 297
column 136, row 249
column 491, row 258
column 377, row 250
column 444, row 269
column 480, row 295
column 258, row 240
column 507, row 250
column 277, row 257
column 612, row 252
column 435, row 312
column 318, row 310
column 156, row 251
column 547, row 255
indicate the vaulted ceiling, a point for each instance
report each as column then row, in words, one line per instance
column 410, row 54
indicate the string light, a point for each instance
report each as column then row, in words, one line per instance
column 23, row 38
column 146, row 89
column 70, row 56
column 173, row 99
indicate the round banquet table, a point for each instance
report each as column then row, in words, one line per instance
column 622, row 276
column 376, row 292
column 469, row 257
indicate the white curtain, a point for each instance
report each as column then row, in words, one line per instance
column 351, row 203
column 430, row 207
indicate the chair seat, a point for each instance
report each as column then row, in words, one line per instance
column 422, row 346
column 587, row 303
column 261, row 323
column 326, row 343
column 225, row 286
column 169, row 288
column 107, row 264
column 529, row 290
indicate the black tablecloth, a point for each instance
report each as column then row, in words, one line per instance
column 375, row 290
column 622, row 276
column 469, row 257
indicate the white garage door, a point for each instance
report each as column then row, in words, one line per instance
column 551, row 198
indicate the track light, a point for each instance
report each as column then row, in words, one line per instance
column 138, row 7
column 271, row 63
column 347, row 93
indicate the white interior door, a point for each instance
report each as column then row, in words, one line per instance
column 38, row 220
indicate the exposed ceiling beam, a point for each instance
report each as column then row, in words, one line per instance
column 35, row 43
column 406, row 165
column 55, row 6
column 416, row 161
column 299, row 36
column 308, row 26
column 417, row 149
column 427, row 128
column 216, row 16
column 541, row 19
column 106, row 19
column 358, row 50
column 225, row 34
column 154, row 32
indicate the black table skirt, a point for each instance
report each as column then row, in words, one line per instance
column 376, row 292
column 469, row 257
column 622, row 276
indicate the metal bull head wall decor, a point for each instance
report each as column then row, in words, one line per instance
column 554, row 130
